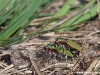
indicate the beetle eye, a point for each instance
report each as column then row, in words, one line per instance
column 56, row 42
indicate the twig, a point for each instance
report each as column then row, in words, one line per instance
column 36, row 67
column 92, row 33
column 8, row 67
column 51, row 72
column 96, row 68
column 34, row 63
column 58, row 64
column 13, row 70
column 77, row 64
column 28, row 71
column 97, row 65
column 43, row 19
column 89, row 70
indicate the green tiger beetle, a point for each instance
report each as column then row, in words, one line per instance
column 58, row 49
column 63, row 46
column 68, row 43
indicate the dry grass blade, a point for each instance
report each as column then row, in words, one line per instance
column 58, row 64
column 8, row 67
column 35, row 66
column 89, row 70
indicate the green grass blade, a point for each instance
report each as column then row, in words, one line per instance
column 18, row 12
column 73, row 19
column 32, row 18
column 85, row 17
column 3, row 4
column 21, row 19
column 11, row 41
column 65, row 8
column 11, row 8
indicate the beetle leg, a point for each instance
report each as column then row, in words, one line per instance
column 66, row 58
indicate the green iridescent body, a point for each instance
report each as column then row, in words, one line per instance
column 63, row 46
column 58, row 49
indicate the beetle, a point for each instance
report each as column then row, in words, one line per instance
column 58, row 49
column 68, row 43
